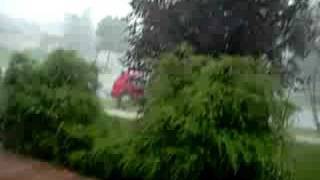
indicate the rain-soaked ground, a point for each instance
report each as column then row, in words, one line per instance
column 15, row 167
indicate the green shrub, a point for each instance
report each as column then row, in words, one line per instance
column 210, row 118
column 15, row 98
column 205, row 118
column 48, row 105
column 67, row 68
column 50, row 111
column 71, row 138
column 110, row 136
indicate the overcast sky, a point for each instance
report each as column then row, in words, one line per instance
column 47, row 11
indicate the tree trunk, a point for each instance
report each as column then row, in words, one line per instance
column 313, row 98
column 95, row 63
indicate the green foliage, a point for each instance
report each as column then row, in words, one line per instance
column 211, row 118
column 46, row 104
column 219, row 27
column 109, row 145
column 50, row 111
column 307, row 161
column 67, row 68
column 205, row 118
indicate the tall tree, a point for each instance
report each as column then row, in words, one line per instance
column 111, row 34
column 243, row 27
column 79, row 34
column 312, row 67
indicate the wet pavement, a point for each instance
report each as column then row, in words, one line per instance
column 15, row 167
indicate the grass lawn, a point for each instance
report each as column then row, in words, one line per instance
column 307, row 158
column 305, row 132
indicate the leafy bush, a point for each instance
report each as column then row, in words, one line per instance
column 109, row 136
column 50, row 111
column 67, row 68
column 48, row 104
column 205, row 118
column 210, row 118
column 15, row 98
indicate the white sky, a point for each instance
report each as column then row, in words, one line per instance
column 47, row 11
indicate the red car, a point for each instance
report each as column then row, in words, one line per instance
column 128, row 85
